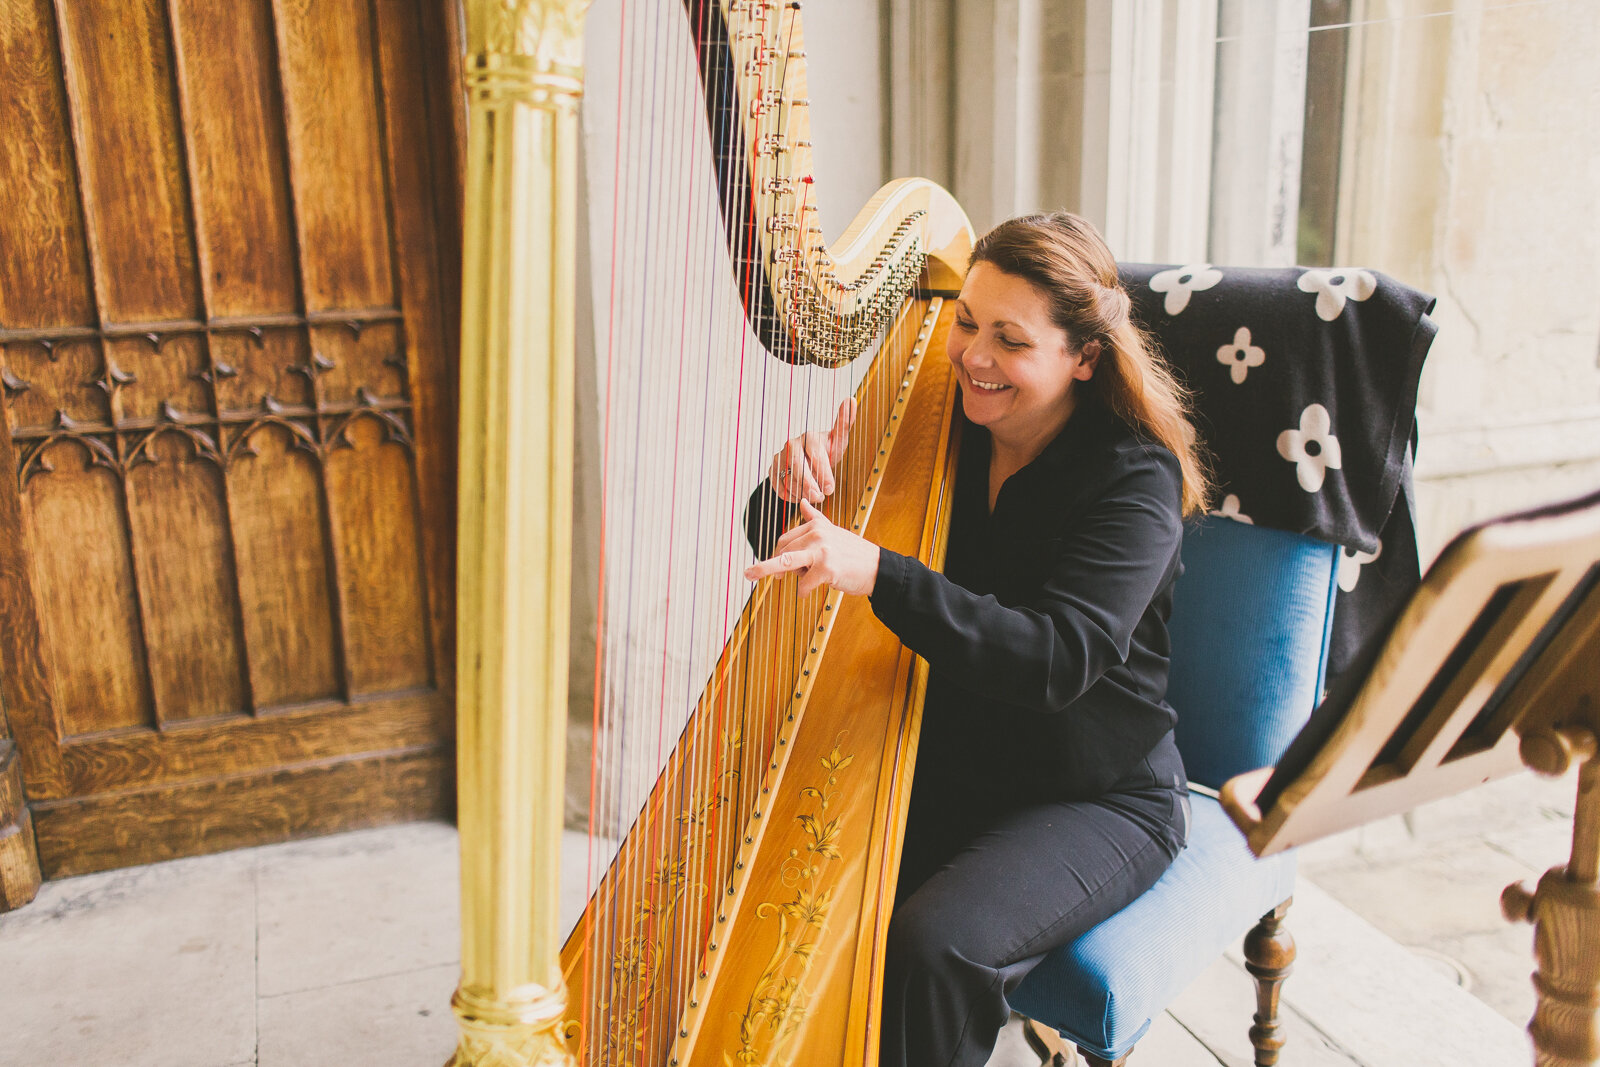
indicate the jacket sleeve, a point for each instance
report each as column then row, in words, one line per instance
column 1044, row 654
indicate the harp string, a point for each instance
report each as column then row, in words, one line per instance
column 682, row 957
column 693, row 406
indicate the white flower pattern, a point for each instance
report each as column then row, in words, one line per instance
column 1336, row 285
column 1351, row 560
column 1230, row 510
column 1179, row 282
column 1311, row 448
column 1241, row 355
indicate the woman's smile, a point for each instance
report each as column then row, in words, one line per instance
column 1017, row 368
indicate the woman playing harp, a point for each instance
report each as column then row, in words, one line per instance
column 1048, row 791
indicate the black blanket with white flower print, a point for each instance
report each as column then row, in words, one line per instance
column 1305, row 388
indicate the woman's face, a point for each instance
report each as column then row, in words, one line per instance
column 1016, row 367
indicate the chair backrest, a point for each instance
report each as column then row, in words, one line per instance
column 1251, row 619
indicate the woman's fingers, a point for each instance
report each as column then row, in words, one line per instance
column 803, row 468
column 788, row 471
column 839, row 436
column 778, row 472
column 822, row 554
column 790, row 539
column 792, row 475
column 812, row 523
column 817, row 462
column 811, row 579
column 781, row 563
column 806, row 484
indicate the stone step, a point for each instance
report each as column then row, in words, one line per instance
column 1381, row 1002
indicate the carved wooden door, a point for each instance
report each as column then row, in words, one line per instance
column 227, row 278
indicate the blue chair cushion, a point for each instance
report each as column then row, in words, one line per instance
column 1251, row 618
column 1102, row 990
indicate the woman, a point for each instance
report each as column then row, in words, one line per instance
column 1048, row 790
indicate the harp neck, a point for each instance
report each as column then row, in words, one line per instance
column 807, row 300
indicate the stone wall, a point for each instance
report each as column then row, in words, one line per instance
column 1471, row 169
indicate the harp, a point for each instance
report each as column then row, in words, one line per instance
column 741, row 917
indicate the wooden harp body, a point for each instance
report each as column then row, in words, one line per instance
column 743, row 917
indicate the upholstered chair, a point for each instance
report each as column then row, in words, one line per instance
column 1250, row 627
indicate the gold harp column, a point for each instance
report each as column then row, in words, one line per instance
column 524, row 77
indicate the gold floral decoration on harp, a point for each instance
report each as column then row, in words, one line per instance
column 635, row 966
column 777, row 1005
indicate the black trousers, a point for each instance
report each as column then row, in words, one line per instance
column 985, row 893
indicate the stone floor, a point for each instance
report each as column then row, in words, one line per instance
column 343, row 951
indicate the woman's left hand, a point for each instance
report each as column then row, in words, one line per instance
column 823, row 554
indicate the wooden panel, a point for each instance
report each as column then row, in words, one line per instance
column 19, row 857
column 254, row 371
column 426, row 218
column 184, row 563
column 80, row 836
column 240, row 164
column 372, row 359
column 44, row 381
column 49, row 285
column 25, row 692
column 278, row 525
column 335, row 152
column 159, row 374
column 82, row 572
column 119, row 78
column 146, row 759
column 195, row 591
column 380, row 567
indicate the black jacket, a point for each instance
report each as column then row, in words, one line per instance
column 1046, row 635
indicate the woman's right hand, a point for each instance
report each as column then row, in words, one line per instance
column 803, row 467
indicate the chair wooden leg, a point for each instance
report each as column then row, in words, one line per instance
column 1095, row 1061
column 1269, row 957
column 1052, row 1050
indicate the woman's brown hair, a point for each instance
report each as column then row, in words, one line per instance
column 1067, row 259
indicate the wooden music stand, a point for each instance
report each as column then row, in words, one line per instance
column 1493, row 665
